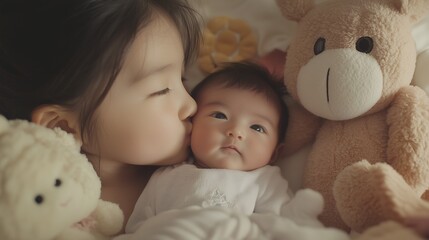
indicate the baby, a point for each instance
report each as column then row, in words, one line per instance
column 237, row 131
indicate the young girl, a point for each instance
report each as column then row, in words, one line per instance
column 107, row 71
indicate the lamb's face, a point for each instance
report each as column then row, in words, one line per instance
column 45, row 190
column 349, row 59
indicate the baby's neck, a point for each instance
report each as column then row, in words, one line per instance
column 199, row 164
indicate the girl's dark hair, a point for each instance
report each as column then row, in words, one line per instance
column 249, row 76
column 68, row 52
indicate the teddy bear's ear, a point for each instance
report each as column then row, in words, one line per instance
column 295, row 9
column 414, row 9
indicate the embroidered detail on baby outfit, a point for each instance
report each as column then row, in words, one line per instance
column 216, row 199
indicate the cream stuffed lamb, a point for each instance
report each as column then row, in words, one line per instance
column 48, row 189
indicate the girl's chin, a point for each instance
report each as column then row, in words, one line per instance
column 177, row 158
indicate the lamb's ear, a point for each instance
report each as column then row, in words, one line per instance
column 295, row 9
column 416, row 10
column 4, row 124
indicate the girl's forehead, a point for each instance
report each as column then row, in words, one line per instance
column 156, row 45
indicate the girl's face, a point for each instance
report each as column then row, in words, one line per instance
column 144, row 119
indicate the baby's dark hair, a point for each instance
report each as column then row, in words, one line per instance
column 249, row 76
column 68, row 52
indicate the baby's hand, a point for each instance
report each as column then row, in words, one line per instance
column 304, row 208
column 419, row 224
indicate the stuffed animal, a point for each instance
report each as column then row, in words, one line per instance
column 389, row 230
column 48, row 189
column 349, row 70
column 226, row 40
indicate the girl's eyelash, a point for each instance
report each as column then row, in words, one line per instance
column 162, row 92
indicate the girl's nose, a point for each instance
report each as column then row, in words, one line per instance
column 188, row 108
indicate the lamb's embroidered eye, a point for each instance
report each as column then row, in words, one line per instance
column 364, row 44
column 58, row 182
column 39, row 199
column 319, row 46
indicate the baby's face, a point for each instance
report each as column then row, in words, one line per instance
column 234, row 129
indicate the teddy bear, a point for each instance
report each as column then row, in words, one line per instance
column 48, row 189
column 389, row 230
column 348, row 70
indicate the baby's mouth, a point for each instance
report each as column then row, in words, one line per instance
column 232, row 148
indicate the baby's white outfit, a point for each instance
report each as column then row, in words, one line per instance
column 262, row 191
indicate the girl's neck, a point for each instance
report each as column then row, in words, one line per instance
column 113, row 173
column 121, row 183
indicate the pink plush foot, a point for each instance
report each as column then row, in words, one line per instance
column 367, row 195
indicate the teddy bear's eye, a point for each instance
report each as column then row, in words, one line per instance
column 364, row 44
column 39, row 199
column 58, row 182
column 319, row 46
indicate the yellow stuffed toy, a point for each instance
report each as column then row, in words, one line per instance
column 226, row 39
column 48, row 189
column 349, row 68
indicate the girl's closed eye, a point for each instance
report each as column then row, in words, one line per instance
column 159, row 93
column 258, row 128
column 219, row 115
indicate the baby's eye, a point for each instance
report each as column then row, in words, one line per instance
column 162, row 92
column 258, row 128
column 218, row 115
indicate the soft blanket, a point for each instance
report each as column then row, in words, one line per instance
column 220, row 223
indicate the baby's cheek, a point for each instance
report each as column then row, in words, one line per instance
column 260, row 152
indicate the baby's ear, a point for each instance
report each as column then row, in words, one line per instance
column 295, row 10
column 277, row 152
column 416, row 10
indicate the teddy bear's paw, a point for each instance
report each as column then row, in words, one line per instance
column 367, row 194
column 226, row 40
column 361, row 196
column 389, row 230
column 410, row 94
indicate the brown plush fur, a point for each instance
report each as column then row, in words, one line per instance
column 389, row 231
column 393, row 136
